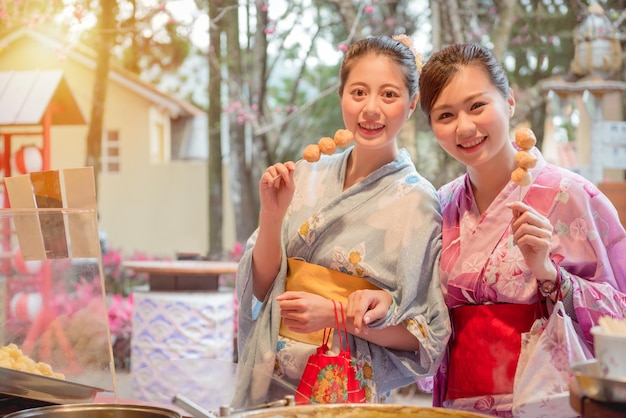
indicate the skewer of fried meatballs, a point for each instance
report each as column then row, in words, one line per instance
column 327, row 145
column 525, row 140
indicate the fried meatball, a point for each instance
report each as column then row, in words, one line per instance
column 521, row 177
column 311, row 153
column 327, row 145
column 343, row 137
column 525, row 159
column 525, row 138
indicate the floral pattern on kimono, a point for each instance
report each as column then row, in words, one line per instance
column 480, row 264
column 387, row 230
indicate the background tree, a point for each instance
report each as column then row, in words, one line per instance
column 285, row 97
column 105, row 28
column 215, row 131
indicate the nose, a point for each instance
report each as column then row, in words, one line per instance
column 465, row 126
column 370, row 108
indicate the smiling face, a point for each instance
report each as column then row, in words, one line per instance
column 375, row 102
column 470, row 117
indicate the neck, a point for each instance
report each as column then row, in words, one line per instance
column 362, row 163
column 489, row 179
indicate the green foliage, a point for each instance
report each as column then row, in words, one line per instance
column 312, row 52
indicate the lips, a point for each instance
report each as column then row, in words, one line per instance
column 371, row 128
column 472, row 143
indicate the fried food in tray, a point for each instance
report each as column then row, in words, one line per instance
column 21, row 376
column 11, row 357
column 44, row 388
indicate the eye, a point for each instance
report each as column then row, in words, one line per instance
column 477, row 105
column 389, row 94
column 358, row 93
column 444, row 115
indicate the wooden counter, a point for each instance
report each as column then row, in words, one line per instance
column 183, row 274
column 590, row 408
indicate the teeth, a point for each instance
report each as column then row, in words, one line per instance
column 372, row 127
column 472, row 144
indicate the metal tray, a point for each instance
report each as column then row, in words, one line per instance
column 95, row 410
column 44, row 388
column 593, row 385
column 359, row 411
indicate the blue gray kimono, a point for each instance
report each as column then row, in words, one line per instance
column 385, row 228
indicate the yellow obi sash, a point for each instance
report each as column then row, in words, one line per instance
column 331, row 284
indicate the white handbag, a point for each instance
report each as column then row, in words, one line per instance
column 549, row 349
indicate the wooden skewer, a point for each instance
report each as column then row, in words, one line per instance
column 278, row 175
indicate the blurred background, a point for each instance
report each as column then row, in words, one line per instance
column 180, row 105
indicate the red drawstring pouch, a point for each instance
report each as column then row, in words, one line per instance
column 329, row 379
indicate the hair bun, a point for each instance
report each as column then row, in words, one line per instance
column 408, row 42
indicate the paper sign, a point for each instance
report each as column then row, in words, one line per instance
column 47, row 189
column 29, row 237
column 42, row 234
column 80, row 192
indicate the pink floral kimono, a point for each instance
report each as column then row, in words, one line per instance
column 480, row 265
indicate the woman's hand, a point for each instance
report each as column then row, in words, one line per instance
column 367, row 306
column 276, row 188
column 306, row 312
column 532, row 233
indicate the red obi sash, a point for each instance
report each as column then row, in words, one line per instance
column 485, row 347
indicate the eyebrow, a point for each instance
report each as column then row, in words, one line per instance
column 468, row 99
column 365, row 85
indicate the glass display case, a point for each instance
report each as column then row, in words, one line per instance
column 55, row 343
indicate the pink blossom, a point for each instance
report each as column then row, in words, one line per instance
column 559, row 357
column 579, row 229
column 343, row 47
column 369, row 9
column 236, row 251
column 484, row 403
column 120, row 315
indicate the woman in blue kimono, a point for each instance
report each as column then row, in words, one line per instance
column 333, row 230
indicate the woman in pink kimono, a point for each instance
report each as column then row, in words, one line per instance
column 504, row 245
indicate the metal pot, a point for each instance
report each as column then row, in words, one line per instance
column 95, row 410
column 358, row 411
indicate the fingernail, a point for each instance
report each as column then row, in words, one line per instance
column 367, row 320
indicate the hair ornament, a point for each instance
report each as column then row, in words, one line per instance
column 408, row 42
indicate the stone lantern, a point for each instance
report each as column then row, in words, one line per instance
column 597, row 47
column 584, row 129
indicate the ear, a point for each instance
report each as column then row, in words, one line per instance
column 511, row 101
column 412, row 106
